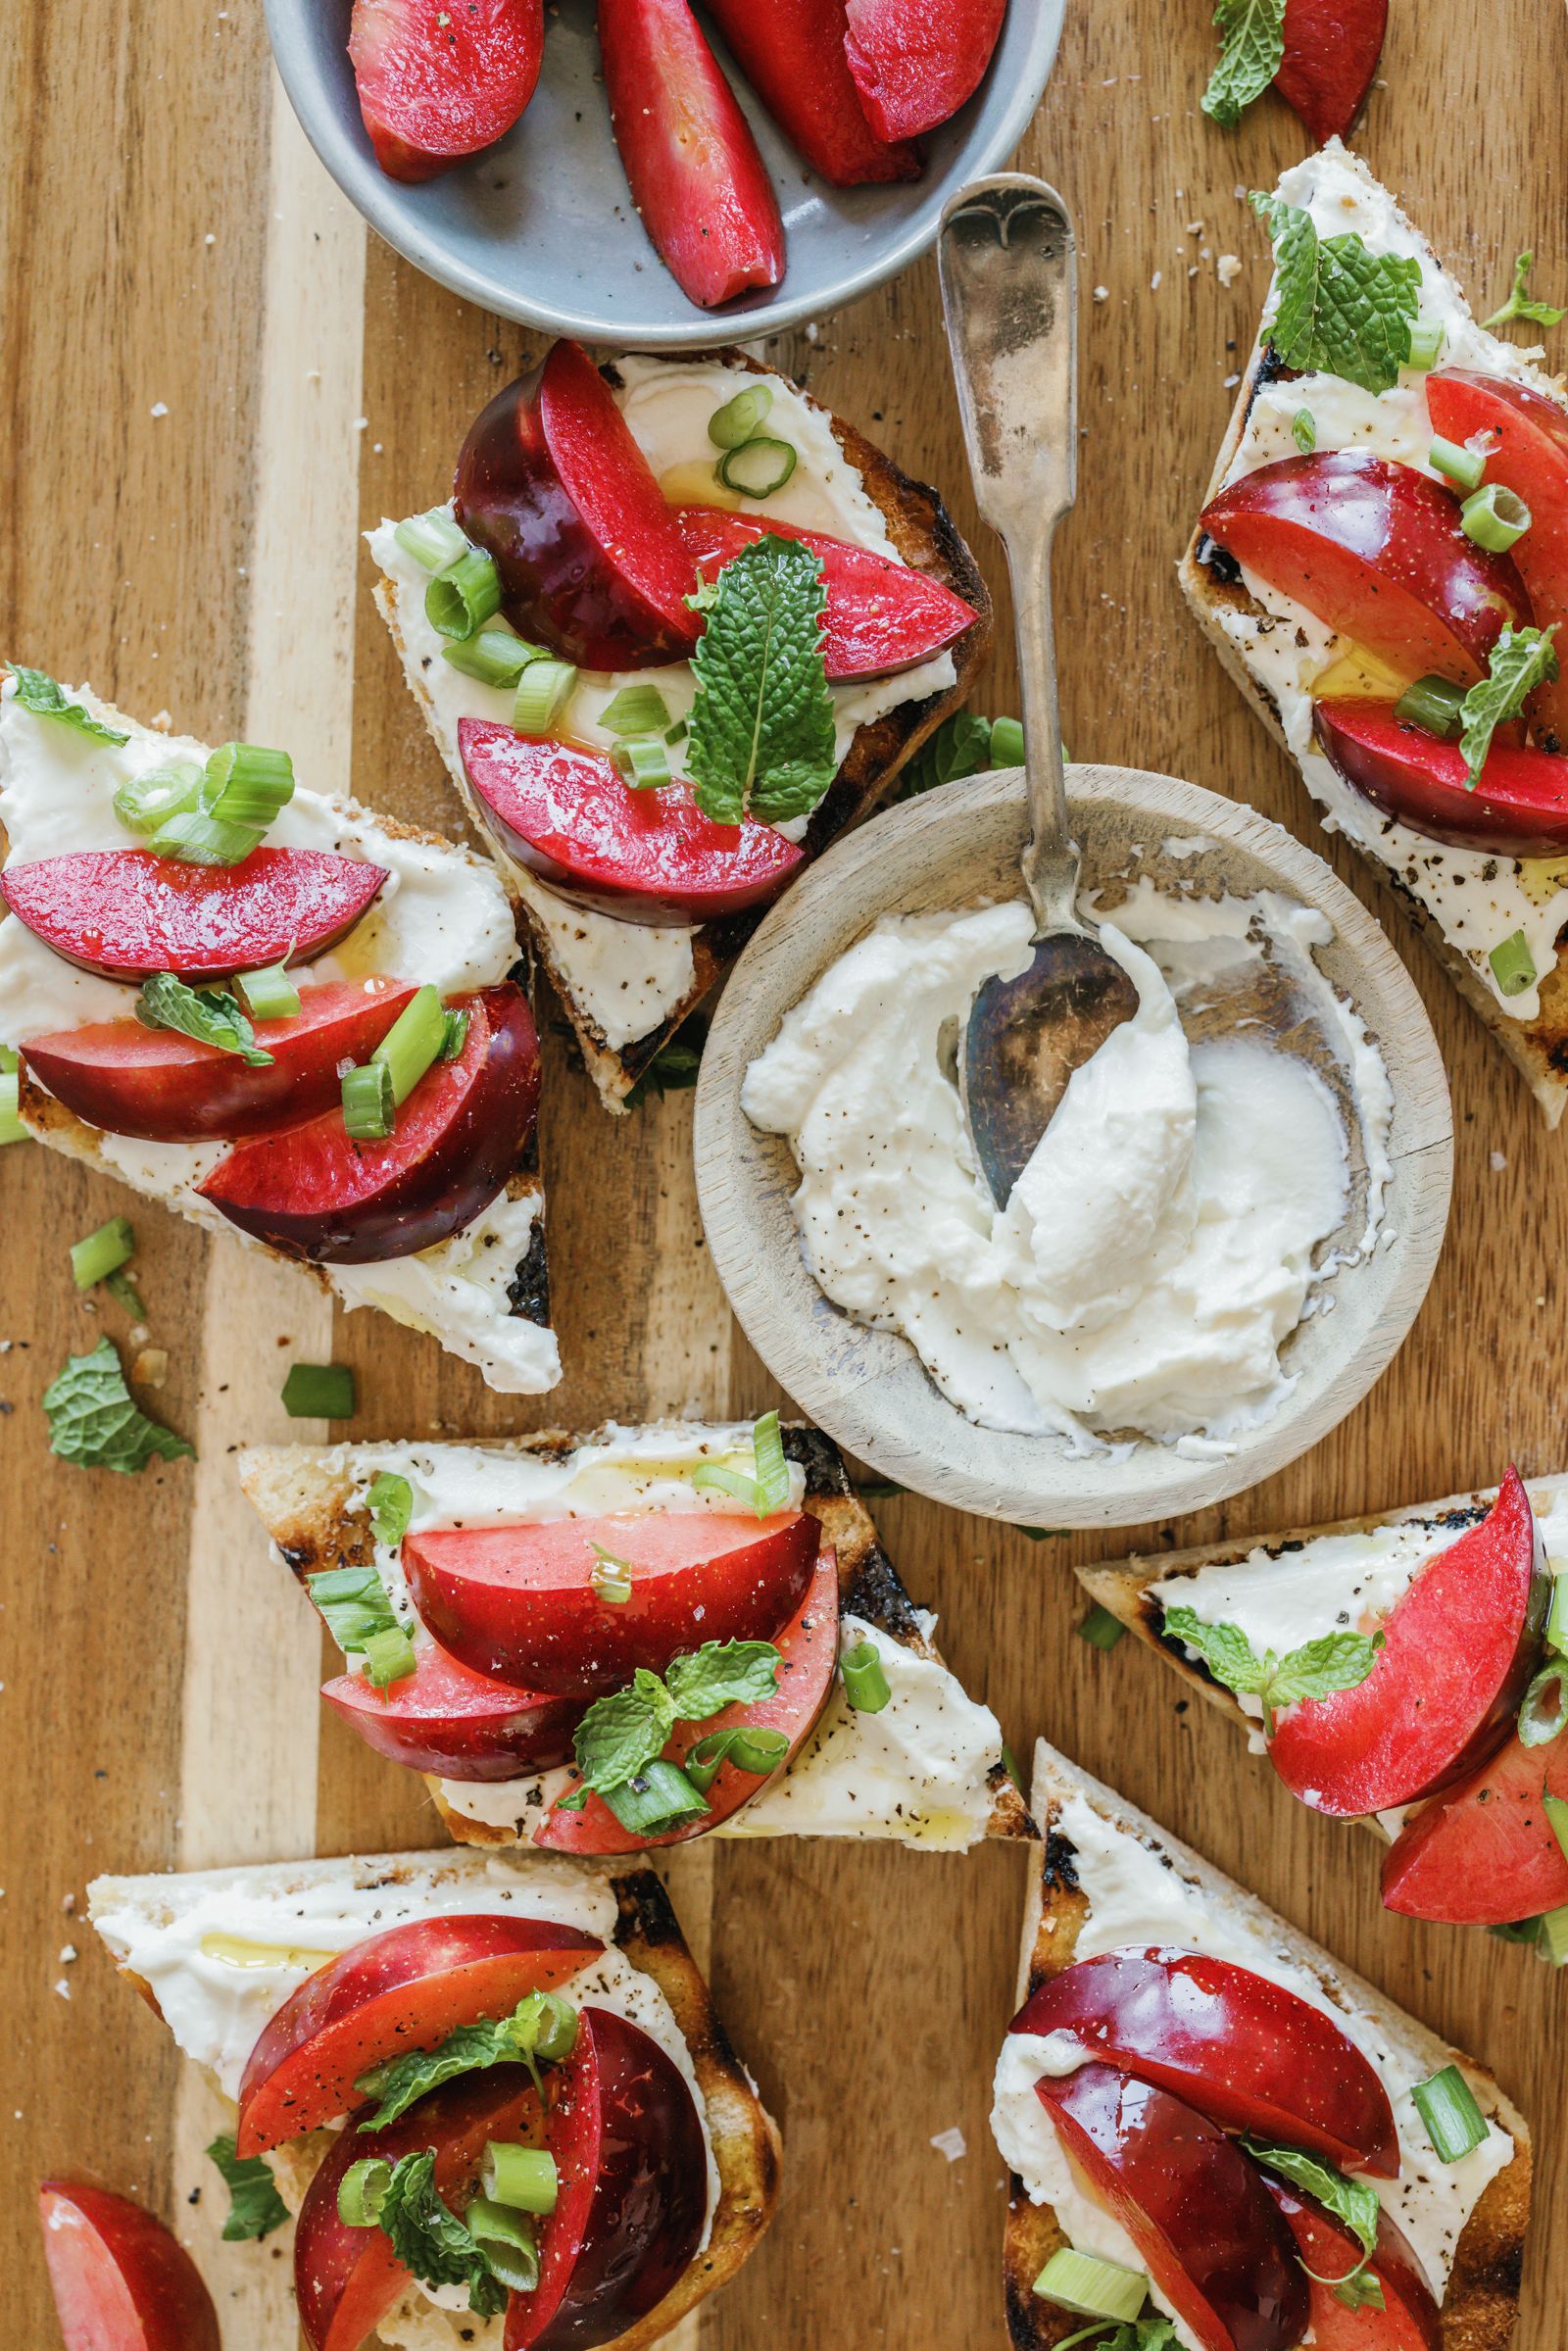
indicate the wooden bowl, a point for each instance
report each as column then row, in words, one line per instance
column 959, row 847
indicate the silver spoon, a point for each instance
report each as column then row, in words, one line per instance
column 1009, row 291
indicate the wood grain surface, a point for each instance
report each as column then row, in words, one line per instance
column 210, row 374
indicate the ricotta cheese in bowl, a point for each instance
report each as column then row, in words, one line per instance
column 1190, row 1204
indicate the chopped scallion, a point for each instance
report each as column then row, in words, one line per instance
column 865, row 1684
column 546, row 2026
column 522, row 2178
column 1493, row 517
column 660, row 1798
column 1432, row 703
column 677, row 733
column 1101, row 1629
column 636, row 710
column 11, row 1129
column 465, row 596
column 736, row 422
column 319, row 1391
column 389, row 1498
column 506, row 2240
column 756, row 1749
column 388, row 1657
column 102, row 1253
column 1543, row 1710
column 353, row 1605
column 244, row 783
column 542, row 689
column 414, row 1041
column 642, row 762
column 493, row 656
column 1553, row 1935
column 435, row 539
column 1303, row 430
column 147, row 801
column 361, row 2192
column 1427, row 337
column 1455, row 2123
column 757, row 468
column 195, row 838
column 1007, row 743
column 1093, row 2289
column 369, row 1107
column 456, row 1035
column 124, row 1292
column 609, row 1578
column 1557, row 1616
column 269, row 994
column 1512, row 965
column 1456, row 463
column 1556, row 1811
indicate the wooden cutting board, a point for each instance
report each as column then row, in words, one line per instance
column 211, row 378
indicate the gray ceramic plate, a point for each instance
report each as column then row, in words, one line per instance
column 541, row 229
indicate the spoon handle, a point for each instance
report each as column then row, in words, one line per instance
column 1009, row 264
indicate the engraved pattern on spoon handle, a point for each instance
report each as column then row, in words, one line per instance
column 1007, row 260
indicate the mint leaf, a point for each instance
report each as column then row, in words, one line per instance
column 1252, row 52
column 762, row 737
column 1521, row 305
column 431, row 2240
column 721, row 1674
column 255, row 2207
column 210, row 1014
column 675, row 1065
column 1318, row 1668
column 541, row 2027
column 1224, row 1649
column 1339, row 309
column 619, row 1736
column 1351, row 2201
column 960, row 746
column 390, row 1502
column 95, row 1422
column 1133, row 2335
column 1521, row 659
column 46, row 699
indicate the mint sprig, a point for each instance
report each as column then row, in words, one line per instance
column 1339, row 309
column 1130, row 2334
column 1521, row 304
column 45, row 697
column 255, row 2207
column 95, row 1422
column 1318, row 1669
column 762, row 740
column 1351, row 2201
column 431, row 2240
column 622, row 1734
column 1522, row 660
column 516, row 2040
column 209, row 1014
column 1252, row 52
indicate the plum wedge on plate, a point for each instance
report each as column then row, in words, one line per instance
column 1208, row 2122
column 635, row 1637
column 530, row 2095
column 121, row 2282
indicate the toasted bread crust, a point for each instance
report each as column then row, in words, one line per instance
column 1482, row 2301
column 927, row 538
column 1539, row 1048
column 744, row 2137
column 309, row 1513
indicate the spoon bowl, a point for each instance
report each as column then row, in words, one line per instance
column 960, row 847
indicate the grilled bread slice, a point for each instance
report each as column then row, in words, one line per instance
column 1248, row 638
column 688, row 963
column 745, row 2139
column 1481, row 2301
column 309, row 1499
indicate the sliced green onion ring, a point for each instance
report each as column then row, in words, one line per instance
column 148, row 801
column 660, row 1798
column 523, row 2178
column 542, row 688
column 546, row 2026
column 1494, row 518
column 1455, row 2123
column 1432, row 704
column 389, row 1498
column 740, row 418
column 1101, row 1629
column 635, row 711
column 1557, row 1616
column 319, row 1391
column 757, row 468
column 1459, row 465
column 1090, row 2287
column 369, row 1105
column 1512, row 965
column 1553, row 1926
column 865, row 1684
column 493, row 656
column 11, row 1129
column 1556, row 1811
column 642, row 764
column 1427, row 338
column 101, row 1254
column 435, row 540
column 1543, row 1710
column 465, row 596
column 506, row 2240
column 456, row 1034
column 245, row 783
column 1303, row 430
column 756, row 1749
column 361, row 2192
column 609, row 1578
column 388, row 1657
column 412, row 1042
column 195, row 838
column 268, row 994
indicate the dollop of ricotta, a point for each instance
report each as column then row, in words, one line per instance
column 1161, row 1244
